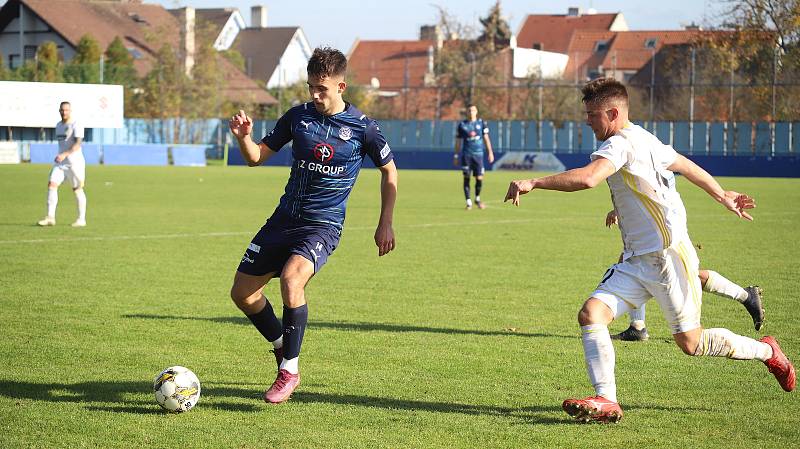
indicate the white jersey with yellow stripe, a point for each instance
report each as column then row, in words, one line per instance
column 650, row 210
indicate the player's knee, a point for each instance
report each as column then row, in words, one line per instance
column 243, row 298
column 52, row 185
column 292, row 284
column 688, row 341
column 594, row 311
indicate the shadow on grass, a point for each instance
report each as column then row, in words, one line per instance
column 363, row 327
column 111, row 396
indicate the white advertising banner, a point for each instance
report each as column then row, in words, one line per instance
column 9, row 153
column 520, row 160
column 35, row 105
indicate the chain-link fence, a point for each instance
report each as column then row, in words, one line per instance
column 676, row 83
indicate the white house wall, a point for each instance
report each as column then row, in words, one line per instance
column 229, row 31
column 293, row 64
column 36, row 32
column 527, row 62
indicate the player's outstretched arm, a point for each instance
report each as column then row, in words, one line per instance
column 384, row 234
column 242, row 127
column 736, row 202
column 573, row 180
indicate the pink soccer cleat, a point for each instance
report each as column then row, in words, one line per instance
column 282, row 389
column 593, row 408
column 779, row 365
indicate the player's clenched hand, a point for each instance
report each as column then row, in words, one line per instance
column 738, row 203
column 384, row 238
column 241, row 125
column 518, row 188
column 60, row 157
column 611, row 218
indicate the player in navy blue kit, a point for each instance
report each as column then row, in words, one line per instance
column 330, row 139
column 472, row 136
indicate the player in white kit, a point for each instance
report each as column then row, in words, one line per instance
column 69, row 165
column 658, row 259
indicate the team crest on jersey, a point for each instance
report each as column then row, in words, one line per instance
column 345, row 133
column 323, row 152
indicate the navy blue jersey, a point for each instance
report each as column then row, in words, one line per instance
column 328, row 152
column 472, row 134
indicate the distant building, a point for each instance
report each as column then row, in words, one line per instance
column 26, row 24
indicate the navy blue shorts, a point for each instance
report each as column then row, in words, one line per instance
column 472, row 163
column 280, row 237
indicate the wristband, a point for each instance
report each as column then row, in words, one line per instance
column 455, row 156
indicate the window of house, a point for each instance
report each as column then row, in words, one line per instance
column 537, row 46
column 650, row 43
column 30, row 52
column 601, row 46
column 135, row 53
column 13, row 61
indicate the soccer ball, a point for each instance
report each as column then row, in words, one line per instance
column 177, row 389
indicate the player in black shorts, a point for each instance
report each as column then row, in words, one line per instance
column 472, row 137
column 330, row 139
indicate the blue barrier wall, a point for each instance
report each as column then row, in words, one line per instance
column 745, row 166
column 189, row 155
column 772, row 146
column 135, row 155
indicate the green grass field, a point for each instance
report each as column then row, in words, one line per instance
column 465, row 336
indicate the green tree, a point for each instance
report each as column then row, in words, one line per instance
column 118, row 66
column 162, row 89
column 5, row 74
column 208, row 81
column 85, row 65
column 496, row 33
column 118, row 69
column 48, row 67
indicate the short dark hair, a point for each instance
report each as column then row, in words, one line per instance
column 603, row 91
column 63, row 103
column 327, row 62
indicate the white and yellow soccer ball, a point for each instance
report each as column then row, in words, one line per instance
column 177, row 389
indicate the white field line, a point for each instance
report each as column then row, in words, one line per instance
column 230, row 234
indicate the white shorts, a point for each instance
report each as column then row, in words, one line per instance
column 669, row 276
column 72, row 171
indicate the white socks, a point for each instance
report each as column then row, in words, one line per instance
column 637, row 317
column 52, row 202
column 721, row 286
column 279, row 342
column 719, row 342
column 599, row 354
column 80, row 197
column 290, row 365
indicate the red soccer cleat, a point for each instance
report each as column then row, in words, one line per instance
column 593, row 408
column 282, row 389
column 779, row 365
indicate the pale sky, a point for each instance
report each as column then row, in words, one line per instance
column 339, row 22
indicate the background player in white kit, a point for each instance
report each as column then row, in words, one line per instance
column 69, row 165
column 658, row 260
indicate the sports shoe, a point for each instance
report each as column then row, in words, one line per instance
column 469, row 207
column 632, row 334
column 480, row 205
column 779, row 365
column 282, row 389
column 278, row 355
column 79, row 224
column 593, row 408
column 47, row 221
column 754, row 306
